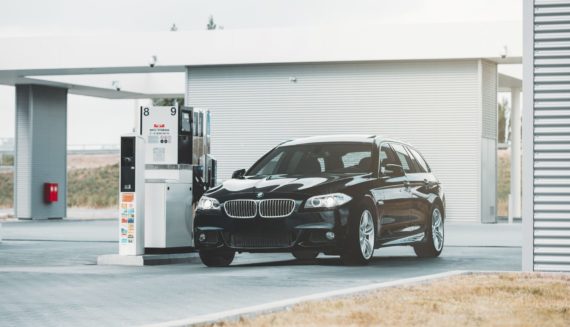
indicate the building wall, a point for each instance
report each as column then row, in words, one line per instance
column 489, row 88
column 434, row 105
column 546, row 137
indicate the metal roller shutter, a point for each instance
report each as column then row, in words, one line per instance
column 435, row 105
column 551, row 136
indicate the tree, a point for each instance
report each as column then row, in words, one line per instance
column 171, row 102
column 504, row 112
column 211, row 25
column 168, row 101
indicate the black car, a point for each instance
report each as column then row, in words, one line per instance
column 337, row 195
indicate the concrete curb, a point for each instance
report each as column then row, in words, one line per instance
column 147, row 259
column 285, row 304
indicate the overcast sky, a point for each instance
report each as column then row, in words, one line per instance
column 56, row 17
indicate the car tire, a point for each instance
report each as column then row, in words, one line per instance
column 361, row 238
column 305, row 254
column 217, row 258
column 435, row 236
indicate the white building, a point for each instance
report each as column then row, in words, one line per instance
column 447, row 109
column 434, row 86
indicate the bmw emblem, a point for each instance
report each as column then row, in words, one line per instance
column 259, row 195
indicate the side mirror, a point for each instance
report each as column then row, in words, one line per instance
column 392, row 170
column 238, row 173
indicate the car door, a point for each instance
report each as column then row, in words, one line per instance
column 406, row 225
column 420, row 186
column 391, row 195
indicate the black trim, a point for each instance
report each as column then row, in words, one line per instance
column 128, row 164
column 185, row 138
column 140, row 121
column 183, row 249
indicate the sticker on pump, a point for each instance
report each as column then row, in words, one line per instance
column 127, row 197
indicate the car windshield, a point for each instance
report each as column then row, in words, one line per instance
column 315, row 159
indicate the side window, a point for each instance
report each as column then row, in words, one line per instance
column 404, row 157
column 387, row 156
column 422, row 164
column 415, row 167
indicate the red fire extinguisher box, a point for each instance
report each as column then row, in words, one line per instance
column 50, row 192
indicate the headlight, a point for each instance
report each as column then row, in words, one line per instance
column 327, row 201
column 207, row 203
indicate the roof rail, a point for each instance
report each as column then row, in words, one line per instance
column 285, row 142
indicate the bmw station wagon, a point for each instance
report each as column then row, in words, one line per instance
column 337, row 195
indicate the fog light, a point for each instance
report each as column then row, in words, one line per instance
column 202, row 237
column 329, row 236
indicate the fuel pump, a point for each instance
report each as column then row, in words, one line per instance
column 131, row 196
column 178, row 169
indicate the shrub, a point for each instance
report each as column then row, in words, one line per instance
column 7, row 160
column 6, row 190
column 93, row 187
column 90, row 187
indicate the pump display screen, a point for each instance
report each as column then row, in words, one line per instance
column 186, row 126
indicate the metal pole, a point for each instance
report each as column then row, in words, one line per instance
column 515, row 154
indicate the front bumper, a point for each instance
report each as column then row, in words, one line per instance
column 215, row 230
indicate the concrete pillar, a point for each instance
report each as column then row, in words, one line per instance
column 515, row 198
column 41, row 151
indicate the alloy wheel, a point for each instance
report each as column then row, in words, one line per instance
column 437, row 229
column 366, row 234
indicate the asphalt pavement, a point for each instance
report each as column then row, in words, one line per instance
column 48, row 275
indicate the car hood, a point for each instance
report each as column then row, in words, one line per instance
column 278, row 184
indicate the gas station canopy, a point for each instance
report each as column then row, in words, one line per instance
column 147, row 65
